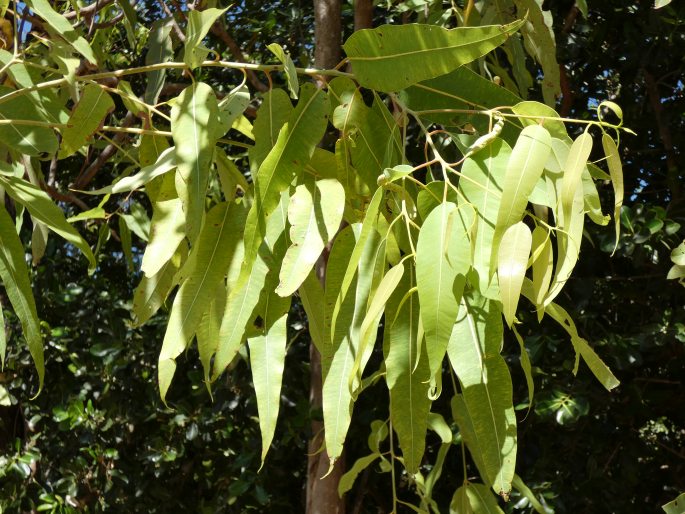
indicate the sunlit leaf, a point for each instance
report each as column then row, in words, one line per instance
column 420, row 51
column 616, row 172
column 85, row 119
column 29, row 140
column 208, row 330
column 573, row 169
column 289, row 68
column 199, row 23
column 512, row 261
column 166, row 232
column 473, row 498
column 347, row 480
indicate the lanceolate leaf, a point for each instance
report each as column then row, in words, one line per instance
column 267, row 357
column 199, row 23
column 3, row 339
column 244, row 296
column 166, row 232
column 274, row 112
column 208, row 330
column 347, row 480
column 439, row 282
column 152, row 291
column 512, row 261
column 26, row 139
column 481, row 184
column 293, row 149
column 473, row 498
column 194, row 118
column 289, row 65
column 160, row 49
column 314, row 213
column 474, row 352
column 41, row 207
column 525, row 167
column 15, row 279
column 312, row 296
column 575, row 165
column 59, row 24
column 616, row 172
column 408, row 384
column 210, row 256
column 542, row 265
column 420, row 51
column 87, row 116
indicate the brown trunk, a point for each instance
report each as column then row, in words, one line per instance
column 363, row 14
column 322, row 493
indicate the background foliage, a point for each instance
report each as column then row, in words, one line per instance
column 98, row 438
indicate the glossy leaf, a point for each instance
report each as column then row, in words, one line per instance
column 474, row 353
column 15, row 279
column 210, row 257
column 85, row 119
column 41, row 207
column 573, row 169
column 194, row 117
column 420, row 51
column 512, row 261
column 314, row 213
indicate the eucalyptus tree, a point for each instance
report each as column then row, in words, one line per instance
column 437, row 248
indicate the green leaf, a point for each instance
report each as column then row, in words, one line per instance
column 274, row 112
column 244, row 295
column 166, row 233
column 312, row 296
column 3, row 339
column 56, row 23
column 267, row 357
column 229, row 173
column 511, row 267
column 164, row 163
column 461, row 89
column 593, row 207
column 538, row 38
column 526, row 367
column 473, row 498
column 474, row 352
column 210, row 257
column 232, row 106
column 160, row 50
column 481, row 184
column 289, row 68
column 152, row 291
column 525, row 491
column 85, row 119
column 26, row 139
column 420, row 51
column 543, row 261
column 461, row 416
column 194, row 117
column 442, row 261
column 678, row 254
column 616, row 172
column 573, row 169
column 537, row 113
column 293, row 149
column 347, row 480
column 525, row 167
column 138, row 220
column 676, row 506
column 408, row 383
column 208, row 330
column 199, row 23
column 41, row 207
column 15, row 279
column 125, row 235
column 314, row 213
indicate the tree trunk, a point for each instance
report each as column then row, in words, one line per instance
column 363, row 14
column 322, row 493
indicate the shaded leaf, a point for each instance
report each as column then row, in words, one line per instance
column 85, row 119
column 289, row 68
column 166, row 232
column 199, row 23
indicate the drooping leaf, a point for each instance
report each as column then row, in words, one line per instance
column 85, row 119
column 573, row 169
column 15, row 279
column 512, row 261
column 420, row 51
column 274, row 112
column 676, row 506
column 210, row 257
column 152, row 291
column 159, row 50
column 525, row 167
column 407, row 382
column 474, row 353
column 126, row 243
column 481, row 184
column 536, row 113
column 473, row 498
column 244, row 296
column 3, row 339
column 525, row 491
column 166, row 232
column 314, row 212
column 312, row 296
column 542, row 265
column 526, row 367
column 193, row 128
column 26, row 139
column 347, row 480
column 538, row 37
column 208, row 330
column 267, row 360
column 199, row 23
column 593, row 207
column 41, row 207
column 293, row 149
column 230, row 174
column 232, row 106
column 616, row 172
column 442, row 261
column 289, row 68
column 58, row 24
